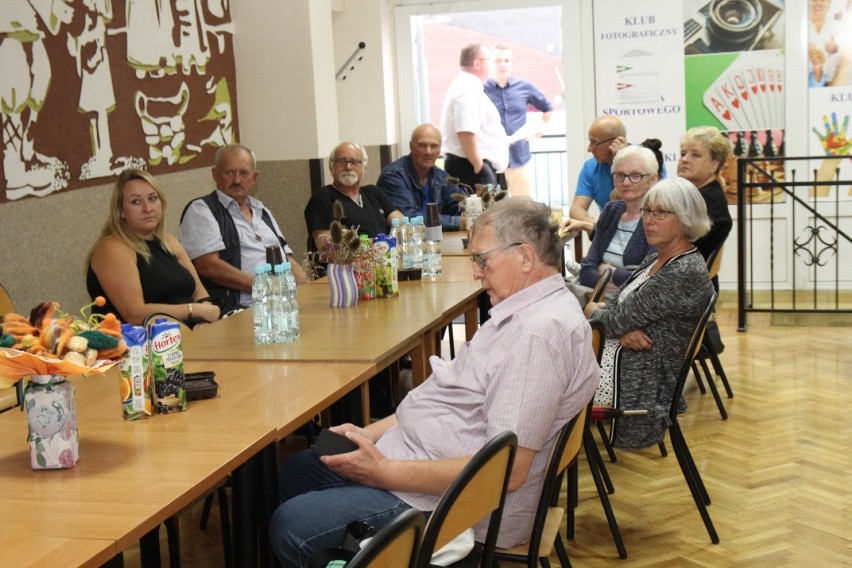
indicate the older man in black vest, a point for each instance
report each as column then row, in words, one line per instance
column 227, row 231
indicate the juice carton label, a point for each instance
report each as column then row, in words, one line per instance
column 167, row 366
column 386, row 283
column 135, row 385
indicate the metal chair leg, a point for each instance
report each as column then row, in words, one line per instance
column 561, row 553
column 712, row 384
column 599, row 462
column 602, row 493
column 605, row 439
column 693, row 480
column 698, row 379
column 717, row 366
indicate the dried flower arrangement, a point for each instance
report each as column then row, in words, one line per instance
column 488, row 193
column 341, row 245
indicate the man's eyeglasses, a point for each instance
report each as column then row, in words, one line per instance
column 347, row 162
column 479, row 257
column 635, row 177
column 658, row 214
column 598, row 143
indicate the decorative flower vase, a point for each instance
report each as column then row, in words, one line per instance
column 52, row 422
column 344, row 287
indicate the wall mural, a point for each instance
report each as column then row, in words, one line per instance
column 91, row 87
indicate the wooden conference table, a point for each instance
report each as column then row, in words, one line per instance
column 451, row 244
column 132, row 476
column 378, row 331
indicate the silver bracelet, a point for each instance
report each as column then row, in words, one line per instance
column 189, row 307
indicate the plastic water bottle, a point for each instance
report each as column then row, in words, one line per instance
column 432, row 244
column 292, row 295
column 279, row 314
column 396, row 233
column 260, row 305
column 418, row 234
column 407, row 244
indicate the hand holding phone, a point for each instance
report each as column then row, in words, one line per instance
column 331, row 443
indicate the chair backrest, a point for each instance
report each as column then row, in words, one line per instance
column 562, row 455
column 714, row 261
column 477, row 492
column 394, row 546
column 598, row 336
column 600, row 286
column 691, row 352
column 6, row 305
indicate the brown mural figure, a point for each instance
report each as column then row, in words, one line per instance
column 24, row 85
column 97, row 96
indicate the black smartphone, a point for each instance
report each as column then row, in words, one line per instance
column 331, row 443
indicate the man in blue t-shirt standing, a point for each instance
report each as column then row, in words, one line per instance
column 607, row 136
column 512, row 97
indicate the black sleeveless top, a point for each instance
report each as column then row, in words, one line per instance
column 164, row 281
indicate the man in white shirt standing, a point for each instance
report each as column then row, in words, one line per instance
column 475, row 142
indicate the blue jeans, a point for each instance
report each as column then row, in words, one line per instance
column 317, row 506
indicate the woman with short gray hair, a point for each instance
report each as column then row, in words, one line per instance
column 650, row 320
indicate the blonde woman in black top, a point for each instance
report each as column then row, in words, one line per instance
column 136, row 265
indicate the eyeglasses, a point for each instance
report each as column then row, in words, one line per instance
column 347, row 162
column 596, row 143
column 635, row 177
column 658, row 214
column 479, row 257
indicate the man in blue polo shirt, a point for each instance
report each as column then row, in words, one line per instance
column 512, row 97
column 607, row 136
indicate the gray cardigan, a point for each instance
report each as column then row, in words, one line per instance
column 667, row 307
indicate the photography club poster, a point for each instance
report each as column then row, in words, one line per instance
column 830, row 96
column 91, row 88
column 639, row 70
column 706, row 74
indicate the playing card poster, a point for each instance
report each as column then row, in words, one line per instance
column 639, row 69
column 735, row 81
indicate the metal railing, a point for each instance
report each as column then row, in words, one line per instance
column 789, row 236
column 549, row 171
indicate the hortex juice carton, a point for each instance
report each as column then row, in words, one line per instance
column 134, row 374
column 167, row 366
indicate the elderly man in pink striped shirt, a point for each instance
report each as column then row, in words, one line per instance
column 529, row 369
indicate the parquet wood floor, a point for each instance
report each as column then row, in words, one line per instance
column 778, row 470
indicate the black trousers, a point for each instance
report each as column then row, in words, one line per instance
column 461, row 168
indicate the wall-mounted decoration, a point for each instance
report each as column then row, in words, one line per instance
column 90, row 87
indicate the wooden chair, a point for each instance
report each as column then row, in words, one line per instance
column 707, row 351
column 477, row 492
column 597, row 467
column 394, row 546
column 600, row 286
column 9, row 397
column 681, row 450
column 548, row 516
